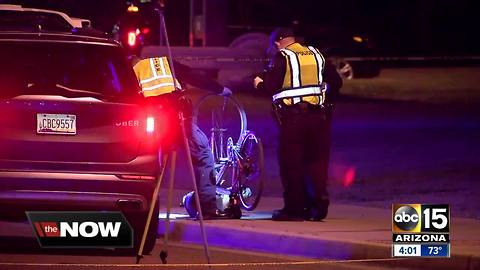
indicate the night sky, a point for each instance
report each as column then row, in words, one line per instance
column 421, row 27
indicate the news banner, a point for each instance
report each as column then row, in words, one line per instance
column 421, row 230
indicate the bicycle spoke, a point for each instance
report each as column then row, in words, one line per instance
column 220, row 112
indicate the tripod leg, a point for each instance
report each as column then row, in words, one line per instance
column 169, row 51
column 152, row 206
column 195, row 188
column 187, row 148
column 164, row 252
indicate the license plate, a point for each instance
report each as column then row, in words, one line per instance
column 56, row 124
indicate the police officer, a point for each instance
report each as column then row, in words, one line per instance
column 157, row 83
column 303, row 86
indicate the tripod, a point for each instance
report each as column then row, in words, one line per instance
column 172, row 156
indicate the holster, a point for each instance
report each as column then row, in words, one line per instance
column 276, row 111
column 284, row 111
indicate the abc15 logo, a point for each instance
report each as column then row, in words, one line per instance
column 419, row 218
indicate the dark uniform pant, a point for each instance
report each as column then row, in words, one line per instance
column 304, row 151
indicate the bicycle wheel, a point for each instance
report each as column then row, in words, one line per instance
column 220, row 118
column 251, row 171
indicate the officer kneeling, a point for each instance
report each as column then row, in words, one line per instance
column 159, row 87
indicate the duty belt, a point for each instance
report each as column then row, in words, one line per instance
column 283, row 112
column 300, row 108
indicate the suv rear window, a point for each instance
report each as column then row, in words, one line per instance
column 51, row 68
column 32, row 21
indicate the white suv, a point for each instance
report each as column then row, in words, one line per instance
column 14, row 16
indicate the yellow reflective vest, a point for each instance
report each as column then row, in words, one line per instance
column 155, row 76
column 303, row 76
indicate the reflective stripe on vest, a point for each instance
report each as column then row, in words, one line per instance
column 155, row 76
column 304, row 68
column 313, row 95
column 294, row 66
column 300, row 92
column 320, row 61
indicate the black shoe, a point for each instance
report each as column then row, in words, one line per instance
column 234, row 211
column 217, row 214
column 282, row 215
column 317, row 214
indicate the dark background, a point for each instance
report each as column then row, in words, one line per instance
column 398, row 27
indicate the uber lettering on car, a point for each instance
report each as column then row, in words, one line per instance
column 75, row 135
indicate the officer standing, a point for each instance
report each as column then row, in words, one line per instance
column 304, row 86
column 157, row 83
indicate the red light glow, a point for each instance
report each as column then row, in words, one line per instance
column 349, row 177
column 150, row 124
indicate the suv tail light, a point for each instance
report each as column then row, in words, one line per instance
column 149, row 133
column 156, row 129
column 150, row 126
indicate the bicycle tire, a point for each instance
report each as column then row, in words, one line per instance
column 250, row 167
column 213, row 103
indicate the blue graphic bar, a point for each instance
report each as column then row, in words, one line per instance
column 435, row 250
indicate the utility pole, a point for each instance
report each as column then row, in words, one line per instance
column 198, row 22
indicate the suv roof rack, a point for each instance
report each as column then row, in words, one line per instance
column 74, row 22
column 16, row 17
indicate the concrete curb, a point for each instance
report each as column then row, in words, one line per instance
column 231, row 237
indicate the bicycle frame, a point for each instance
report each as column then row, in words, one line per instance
column 227, row 159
